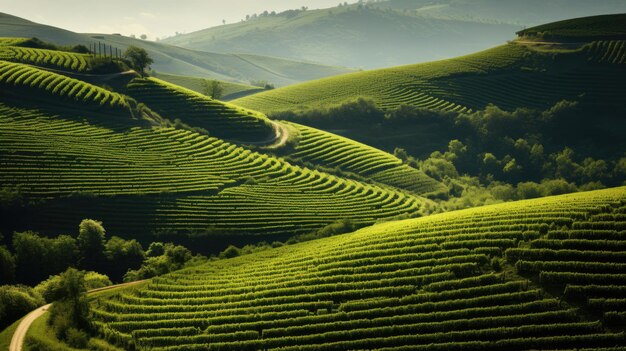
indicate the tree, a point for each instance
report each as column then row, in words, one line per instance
column 38, row 257
column 91, row 244
column 139, row 58
column 122, row 256
column 69, row 316
column 7, row 265
column 143, row 37
column 212, row 88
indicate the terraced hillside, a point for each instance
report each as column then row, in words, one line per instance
column 536, row 274
column 220, row 119
column 517, row 74
column 74, row 150
column 11, row 50
column 312, row 145
column 231, row 90
column 330, row 150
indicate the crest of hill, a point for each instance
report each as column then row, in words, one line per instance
column 517, row 74
column 354, row 36
column 526, row 13
column 604, row 27
column 179, row 61
column 74, row 150
column 540, row 274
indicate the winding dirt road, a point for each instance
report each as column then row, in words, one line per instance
column 17, row 341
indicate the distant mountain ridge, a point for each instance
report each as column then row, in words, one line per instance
column 179, row 61
column 379, row 34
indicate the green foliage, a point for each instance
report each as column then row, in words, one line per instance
column 69, row 314
column 138, row 58
column 212, row 88
column 91, row 241
column 7, row 264
column 38, row 257
column 122, row 255
column 162, row 259
column 15, row 302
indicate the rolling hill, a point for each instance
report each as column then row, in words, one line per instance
column 539, row 274
column 231, row 90
column 526, row 13
column 175, row 60
column 353, row 36
column 517, row 74
column 141, row 159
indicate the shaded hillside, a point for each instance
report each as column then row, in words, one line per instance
column 175, row 60
column 539, row 274
column 354, row 36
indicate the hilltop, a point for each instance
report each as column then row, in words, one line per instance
column 175, row 60
column 516, row 74
column 606, row 27
column 355, row 36
column 538, row 274
column 526, row 13
column 152, row 158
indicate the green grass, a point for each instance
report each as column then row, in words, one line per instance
column 231, row 90
column 431, row 283
column 7, row 334
column 510, row 76
column 584, row 28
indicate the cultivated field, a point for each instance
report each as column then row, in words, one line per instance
column 537, row 274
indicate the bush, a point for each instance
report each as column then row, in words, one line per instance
column 15, row 302
column 76, row 338
column 230, row 252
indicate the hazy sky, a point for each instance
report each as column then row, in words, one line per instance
column 156, row 18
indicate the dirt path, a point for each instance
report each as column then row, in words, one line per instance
column 17, row 341
column 279, row 139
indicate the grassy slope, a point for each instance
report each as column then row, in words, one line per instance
column 349, row 36
column 161, row 178
column 231, row 90
column 7, row 334
column 511, row 75
column 431, row 283
column 175, row 60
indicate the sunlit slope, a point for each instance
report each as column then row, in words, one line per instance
column 220, row 119
column 511, row 75
column 330, row 150
column 432, row 283
column 73, row 150
column 12, row 49
column 231, row 90
column 310, row 145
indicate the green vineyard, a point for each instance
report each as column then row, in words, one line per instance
column 440, row 282
column 138, row 179
column 509, row 76
column 39, row 84
column 319, row 147
column 220, row 119
column 47, row 58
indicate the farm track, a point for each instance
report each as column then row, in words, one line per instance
column 17, row 341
